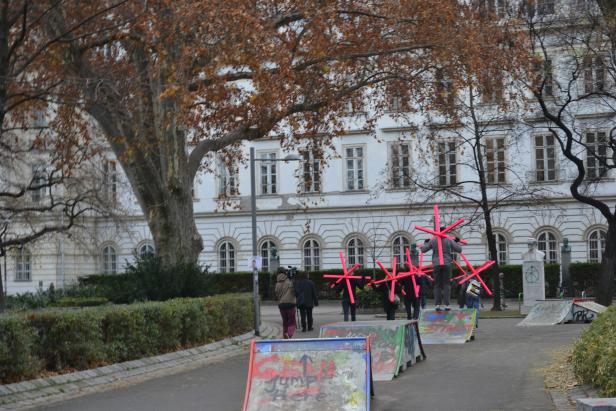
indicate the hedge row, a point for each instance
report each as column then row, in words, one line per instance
column 58, row 340
column 594, row 354
column 584, row 276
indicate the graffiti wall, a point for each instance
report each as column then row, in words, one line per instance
column 446, row 327
column 392, row 343
column 323, row 374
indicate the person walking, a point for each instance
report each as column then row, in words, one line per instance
column 306, row 294
column 285, row 293
column 442, row 273
column 346, row 299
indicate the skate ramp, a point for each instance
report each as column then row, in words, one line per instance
column 586, row 311
column 548, row 312
column 446, row 327
column 310, row 374
column 394, row 344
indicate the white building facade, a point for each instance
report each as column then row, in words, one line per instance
column 362, row 199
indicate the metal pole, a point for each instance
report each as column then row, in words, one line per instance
column 255, row 271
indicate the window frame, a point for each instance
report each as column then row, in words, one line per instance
column 109, row 260
column 499, row 168
column 601, row 241
column 400, row 252
column 311, row 172
column 356, row 170
column 272, row 183
column 230, row 257
column 547, row 257
column 227, row 178
column 448, row 178
column 267, row 258
column 358, row 245
column 545, row 150
column 314, row 256
column 23, row 264
column 399, row 181
column 600, row 169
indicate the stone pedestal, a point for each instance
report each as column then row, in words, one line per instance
column 533, row 276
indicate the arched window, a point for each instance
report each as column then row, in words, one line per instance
column 398, row 247
column 312, row 255
column 23, row 265
column 546, row 242
column 268, row 254
column 502, row 248
column 226, row 257
column 596, row 245
column 110, row 260
column 146, row 250
column 355, row 251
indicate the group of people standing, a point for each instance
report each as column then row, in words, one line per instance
column 295, row 294
column 301, row 292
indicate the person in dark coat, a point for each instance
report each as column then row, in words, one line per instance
column 389, row 307
column 411, row 302
column 346, row 299
column 306, row 294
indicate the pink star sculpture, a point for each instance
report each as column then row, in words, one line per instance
column 346, row 276
column 474, row 272
column 392, row 277
column 440, row 234
column 418, row 271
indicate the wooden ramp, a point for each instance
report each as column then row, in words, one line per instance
column 447, row 327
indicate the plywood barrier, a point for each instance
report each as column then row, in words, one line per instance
column 447, row 327
column 394, row 344
column 311, row 374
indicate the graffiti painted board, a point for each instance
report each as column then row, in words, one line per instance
column 586, row 311
column 310, row 374
column 446, row 327
column 394, row 344
column 548, row 312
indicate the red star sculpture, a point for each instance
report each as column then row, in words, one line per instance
column 474, row 272
column 346, row 276
column 440, row 234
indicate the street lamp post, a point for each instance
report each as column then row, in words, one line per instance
column 253, row 207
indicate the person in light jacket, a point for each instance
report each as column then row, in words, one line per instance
column 442, row 273
column 285, row 293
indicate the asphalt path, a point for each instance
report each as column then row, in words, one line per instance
column 497, row 371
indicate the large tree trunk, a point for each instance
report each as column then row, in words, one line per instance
column 605, row 287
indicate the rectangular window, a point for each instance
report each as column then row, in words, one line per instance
column 311, row 168
column 491, row 90
column 110, row 177
column 545, row 158
column 397, row 103
column 544, row 77
column 447, row 174
column 269, row 179
column 444, row 89
column 38, row 183
column 400, row 164
column 594, row 74
column 495, row 160
column 596, row 154
column 495, row 7
column 545, row 7
column 354, row 160
column 227, row 177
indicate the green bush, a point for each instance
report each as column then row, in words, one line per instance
column 59, row 340
column 81, row 301
column 17, row 340
column 68, row 339
column 594, row 354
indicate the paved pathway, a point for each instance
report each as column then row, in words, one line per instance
column 498, row 371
